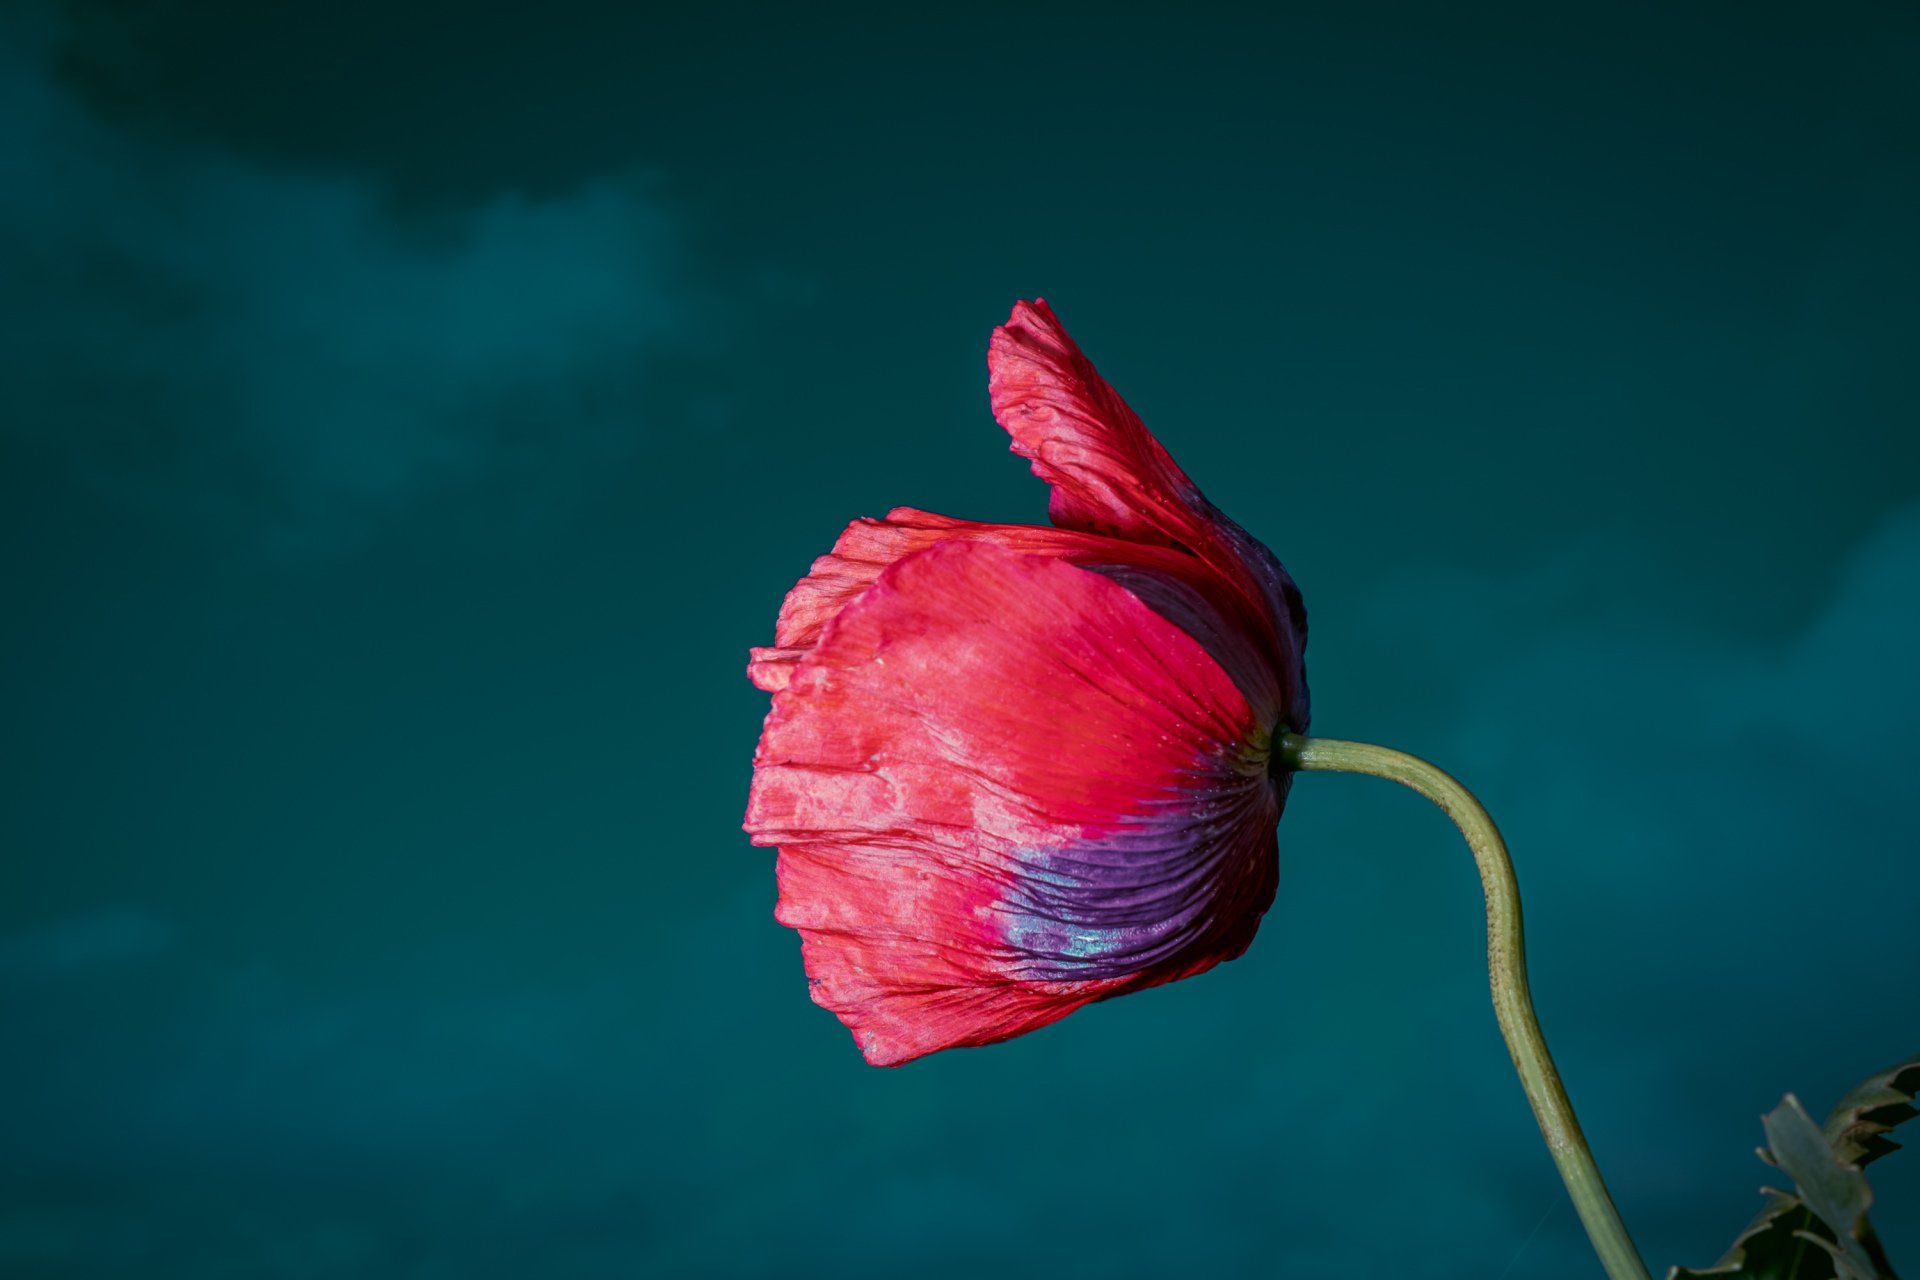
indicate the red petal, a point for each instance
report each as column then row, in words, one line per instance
column 1109, row 475
column 1003, row 786
column 868, row 547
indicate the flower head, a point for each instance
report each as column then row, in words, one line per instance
column 1014, row 769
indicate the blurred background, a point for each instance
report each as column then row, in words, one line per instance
column 414, row 411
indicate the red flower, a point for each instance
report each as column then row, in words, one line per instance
column 1013, row 769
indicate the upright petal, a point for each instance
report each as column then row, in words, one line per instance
column 1109, row 475
column 1002, row 787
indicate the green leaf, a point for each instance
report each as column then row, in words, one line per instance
column 1858, row 1127
column 1820, row 1231
column 1835, row 1190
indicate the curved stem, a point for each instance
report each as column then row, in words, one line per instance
column 1507, row 972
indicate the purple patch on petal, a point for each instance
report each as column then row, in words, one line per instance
column 1283, row 603
column 1173, row 887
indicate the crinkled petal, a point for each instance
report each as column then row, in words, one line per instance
column 1174, row 583
column 1004, row 786
column 1109, row 475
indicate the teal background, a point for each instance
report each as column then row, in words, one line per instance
column 413, row 413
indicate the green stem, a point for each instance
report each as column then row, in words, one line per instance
column 1506, row 970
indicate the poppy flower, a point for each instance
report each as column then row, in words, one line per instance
column 1014, row 769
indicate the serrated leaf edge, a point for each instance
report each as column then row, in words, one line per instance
column 1860, row 1121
